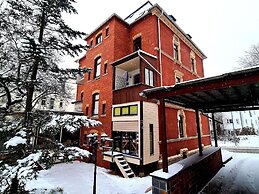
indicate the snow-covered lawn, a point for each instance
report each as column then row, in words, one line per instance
column 245, row 141
column 77, row 178
column 240, row 175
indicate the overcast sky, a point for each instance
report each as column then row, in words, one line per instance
column 222, row 29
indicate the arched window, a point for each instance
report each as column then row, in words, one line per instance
column 181, row 124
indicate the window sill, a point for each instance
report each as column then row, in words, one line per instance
column 105, row 74
column 106, row 36
column 97, row 78
column 94, row 117
column 103, row 115
column 97, row 45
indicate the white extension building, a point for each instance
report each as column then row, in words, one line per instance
column 240, row 120
column 57, row 103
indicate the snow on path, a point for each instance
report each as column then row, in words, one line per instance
column 240, row 175
column 245, row 141
column 77, row 178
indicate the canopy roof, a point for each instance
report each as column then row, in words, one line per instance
column 238, row 90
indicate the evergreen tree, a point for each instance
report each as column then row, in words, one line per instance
column 33, row 38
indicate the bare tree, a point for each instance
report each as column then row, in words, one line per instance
column 251, row 57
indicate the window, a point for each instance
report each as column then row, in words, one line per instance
column 230, row 121
column 177, row 79
column 137, row 44
column 117, row 111
column 176, row 49
column 136, row 79
column 98, row 39
column 151, row 138
column 180, row 125
column 126, row 142
column 105, row 68
column 149, row 77
column 125, row 110
column 51, row 103
column 107, row 32
column 193, row 61
column 178, row 76
column 97, row 67
column 193, row 64
column 176, row 52
column 104, row 109
column 95, row 104
column 43, row 101
column 82, row 96
column 91, row 43
column 61, row 104
column 89, row 75
column 87, row 111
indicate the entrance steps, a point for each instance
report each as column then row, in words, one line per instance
column 124, row 167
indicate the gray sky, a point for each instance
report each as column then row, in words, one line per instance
column 222, row 29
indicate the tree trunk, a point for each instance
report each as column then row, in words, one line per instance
column 30, row 89
column 14, row 186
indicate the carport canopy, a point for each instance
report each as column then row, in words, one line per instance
column 238, row 90
column 234, row 91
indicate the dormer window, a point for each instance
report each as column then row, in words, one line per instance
column 98, row 39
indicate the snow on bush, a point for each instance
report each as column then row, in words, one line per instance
column 15, row 141
column 75, row 152
column 70, row 122
column 23, row 170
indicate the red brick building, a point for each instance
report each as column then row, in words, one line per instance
column 145, row 50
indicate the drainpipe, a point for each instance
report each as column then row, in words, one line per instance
column 159, row 48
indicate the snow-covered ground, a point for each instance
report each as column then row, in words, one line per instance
column 240, row 175
column 77, row 178
column 245, row 141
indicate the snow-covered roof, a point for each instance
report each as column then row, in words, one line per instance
column 140, row 12
column 238, row 90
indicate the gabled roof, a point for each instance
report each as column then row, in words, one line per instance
column 108, row 19
column 238, row 90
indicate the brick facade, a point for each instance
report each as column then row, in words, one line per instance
column 118, row 44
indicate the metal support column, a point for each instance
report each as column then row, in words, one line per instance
column 162, row 134
column 198, row 131
column 214, row 130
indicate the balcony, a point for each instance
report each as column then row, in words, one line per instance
column 133, row 74
column 129, row 94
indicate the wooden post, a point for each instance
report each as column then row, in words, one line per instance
column 214, row 130
column 162, row 134
column 198, row 131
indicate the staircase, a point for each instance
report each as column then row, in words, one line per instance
column 124, row 166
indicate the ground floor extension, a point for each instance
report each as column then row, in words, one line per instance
column 134, row 135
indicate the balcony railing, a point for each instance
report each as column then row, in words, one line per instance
column 129, row 94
